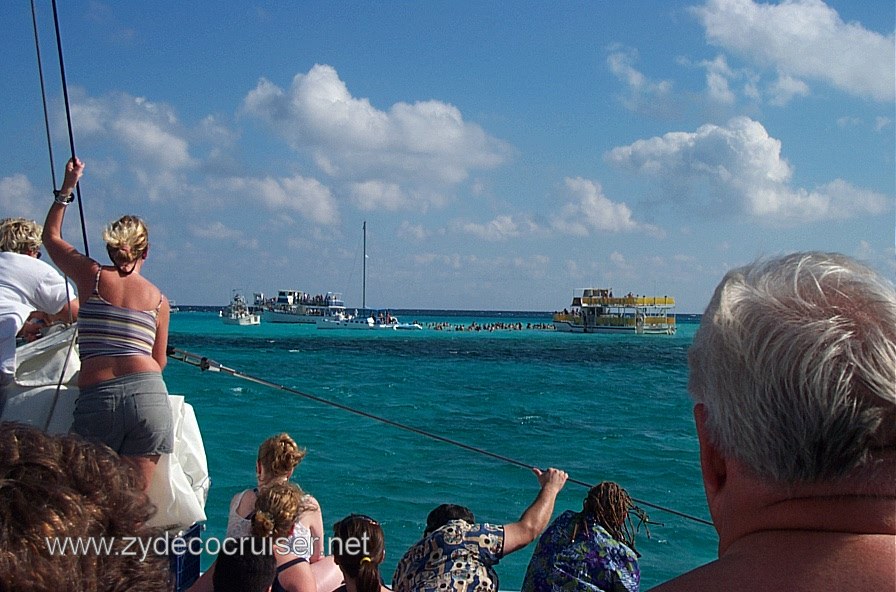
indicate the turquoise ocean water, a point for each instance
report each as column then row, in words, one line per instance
column 601, row 407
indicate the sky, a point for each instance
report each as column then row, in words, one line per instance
column 504, row 155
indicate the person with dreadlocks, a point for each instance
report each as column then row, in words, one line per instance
column 122, row 337
column 591, row 550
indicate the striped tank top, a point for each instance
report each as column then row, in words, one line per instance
column 108, row 330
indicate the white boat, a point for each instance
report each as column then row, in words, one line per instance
column 44, row 394
column 238, row 313
column 365, row 318
column 598, row 311
column 295, row 306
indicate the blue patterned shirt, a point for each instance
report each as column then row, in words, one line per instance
column 456, row 557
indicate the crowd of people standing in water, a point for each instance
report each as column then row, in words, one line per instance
column 792, row 375
column 489, row 327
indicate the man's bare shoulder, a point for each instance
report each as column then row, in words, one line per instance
column 829, row 562
column 705, row 579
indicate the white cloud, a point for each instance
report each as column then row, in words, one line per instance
column 375, row 195
column 17, row 198
column 717, row 75
column 642, row 92
column 307, row 197
column 148, row 132
column 501, row 228
column 592, row 210
column 415, row 144
column 804, row 39
column 740, row 167
column 785, row 88
column 535, row 266
column 413, row 231
column 619, row 261
column 220, row 232
column 215, row 230
column 882, row 123
column 846, row 122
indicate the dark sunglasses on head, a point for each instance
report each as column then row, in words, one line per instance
column 363, row 517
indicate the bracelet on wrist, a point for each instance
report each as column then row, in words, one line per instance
column 61, row 198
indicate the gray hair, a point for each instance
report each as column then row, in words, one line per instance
column 795, row 363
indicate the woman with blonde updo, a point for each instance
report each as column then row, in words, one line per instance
column 359, row 548
column 122, row 337
column 274, row 514
column 278, row 457
column 277, row 508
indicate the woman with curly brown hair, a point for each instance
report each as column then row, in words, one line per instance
column 278, row 458
column 122, row 337
column 277, row 508
column 271, row 525
column 59, row 491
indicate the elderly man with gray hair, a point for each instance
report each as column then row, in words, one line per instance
column 793, row 376
column 27, row 284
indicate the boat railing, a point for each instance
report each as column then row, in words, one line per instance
column 567, row 317
column 626, row 301
column 667, row 320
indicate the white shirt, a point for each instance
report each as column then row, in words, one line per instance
column 26, row 284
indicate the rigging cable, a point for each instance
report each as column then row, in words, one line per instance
column 68, row 119
column 204, row 363
column 43, row 97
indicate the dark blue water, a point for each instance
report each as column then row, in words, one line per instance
column 602, row 407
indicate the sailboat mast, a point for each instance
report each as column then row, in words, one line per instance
column 364, row 271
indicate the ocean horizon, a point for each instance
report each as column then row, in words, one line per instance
column 601, row 407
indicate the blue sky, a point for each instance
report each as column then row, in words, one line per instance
column 505, row 155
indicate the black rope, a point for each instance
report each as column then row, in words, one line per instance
column 43, row 94
column 204, row 363
column 68, row 118
column 43, row 97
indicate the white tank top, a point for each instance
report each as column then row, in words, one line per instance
column 299, row 539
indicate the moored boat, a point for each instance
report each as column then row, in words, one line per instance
column 368, row 319
column 364, row 318
column 238, row 313
column 598, row 311
column 295, row 306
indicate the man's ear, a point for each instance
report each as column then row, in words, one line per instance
column 712, row 461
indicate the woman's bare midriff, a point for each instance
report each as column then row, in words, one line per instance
column 103, row 368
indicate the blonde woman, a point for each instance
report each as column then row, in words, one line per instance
column 122, row 336
column 273, row 518
column 278, row 457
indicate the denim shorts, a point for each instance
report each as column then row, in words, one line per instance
column 130, row 414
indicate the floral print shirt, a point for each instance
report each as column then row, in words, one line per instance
column 456, row 557
column 593, row 561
